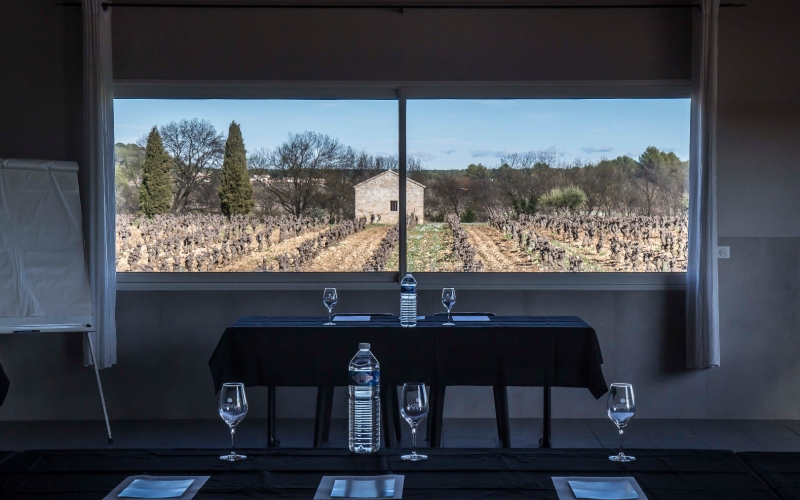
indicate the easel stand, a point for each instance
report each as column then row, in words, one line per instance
column 99, row 385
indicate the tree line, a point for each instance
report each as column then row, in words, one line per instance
column 188, row 167
column 656, row 183
column 181, row 167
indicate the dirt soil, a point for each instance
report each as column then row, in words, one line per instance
column 498, row 253
column 351, row 254
column 250, row 263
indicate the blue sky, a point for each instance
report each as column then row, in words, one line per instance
column 447, row 134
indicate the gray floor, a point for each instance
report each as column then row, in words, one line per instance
column 736, row 435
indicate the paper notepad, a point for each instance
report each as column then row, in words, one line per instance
column 388, row 486
column 363, row 488
column 183, row 487
column 156, row 488
column 470, row 318
column 604, row 489
column 598, row 488
column 351, row 318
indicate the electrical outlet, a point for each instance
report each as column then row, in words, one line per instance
column 724, row 252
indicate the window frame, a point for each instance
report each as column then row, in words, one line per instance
column 402, row 92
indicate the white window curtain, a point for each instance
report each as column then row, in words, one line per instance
column 702, row 300
column 98, row 167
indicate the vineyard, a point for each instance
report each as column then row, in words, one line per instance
column 538, row 243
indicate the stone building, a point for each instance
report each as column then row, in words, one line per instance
column 380, row 195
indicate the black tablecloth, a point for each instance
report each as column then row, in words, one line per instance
column 781, row 471
column 447, row 474
column 507, row 351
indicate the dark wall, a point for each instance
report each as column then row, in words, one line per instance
column 383, row 44
column 166, row 337
column 40, row 87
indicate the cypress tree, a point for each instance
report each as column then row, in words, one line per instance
column 155, row 192
column 235, row 191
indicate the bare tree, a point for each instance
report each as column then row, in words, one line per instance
column 196, row 149
column 298, row 167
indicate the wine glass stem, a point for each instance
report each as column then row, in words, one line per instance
column 448, row 315
column 413, row 439
column 233, row 440
column 329, row 315
column 620, row 441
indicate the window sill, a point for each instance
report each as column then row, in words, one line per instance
column 389, row 281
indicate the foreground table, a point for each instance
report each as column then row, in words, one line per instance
column 544, row 351
column 447, row 474
column 4, row 385
column 781, row 471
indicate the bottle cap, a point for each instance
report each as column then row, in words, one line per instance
column 363, row 346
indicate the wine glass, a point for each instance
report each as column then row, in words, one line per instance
column 232, row 409
column 448, row 301
column 414, row 408
column 621, row 408
column 329, row 299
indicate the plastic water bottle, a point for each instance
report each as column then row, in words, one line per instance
column 408, row 301
column 365, row 402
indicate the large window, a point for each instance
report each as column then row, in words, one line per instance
column 256, row 185
column 538, row 185
column 493, row 185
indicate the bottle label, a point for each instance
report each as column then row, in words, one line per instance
column 408, row 289
column 365, row 379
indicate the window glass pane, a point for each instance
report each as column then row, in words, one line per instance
column 256, row 185
column 591, row 185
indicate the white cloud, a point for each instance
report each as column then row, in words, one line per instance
column 485, row 153
column 603, row 149
column 423, row 155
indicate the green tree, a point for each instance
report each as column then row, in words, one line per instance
column 155, row 191
column 478, row 171
column 235, row 191
column 469, row 215
column 570, row 198
column 128, row 159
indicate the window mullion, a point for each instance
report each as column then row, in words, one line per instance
column 401, row 215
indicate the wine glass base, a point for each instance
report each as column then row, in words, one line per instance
column 621, row 458
column 414, row 457
column 329, row 323
column 449, row 323
column 233, row 457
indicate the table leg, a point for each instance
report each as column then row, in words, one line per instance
column 319, row 417
column 438, row 412
column 546, row 424
column 396, row 417
column 326, row 429
column 386, row 417
column 271, row 441
column 501, row 414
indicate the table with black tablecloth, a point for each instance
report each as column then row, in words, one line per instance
column 549, row 351
column 461, row 474
column 4, row 385
column 781, row 471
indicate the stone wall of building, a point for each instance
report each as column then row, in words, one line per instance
column 375, row 197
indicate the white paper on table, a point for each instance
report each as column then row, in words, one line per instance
column 420, row 318
column 370, row 487
column 158, row 487
column 565, row 492
column 351, row 318
column 470, row 318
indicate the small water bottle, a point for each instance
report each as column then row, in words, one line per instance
column 408, row 301
column 365, row 402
